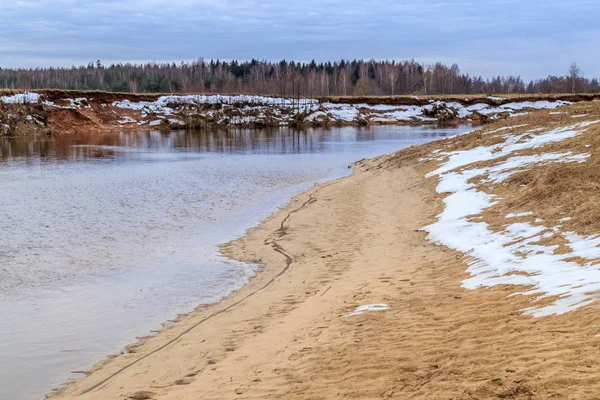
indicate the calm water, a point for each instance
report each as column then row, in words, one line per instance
column 103, row 237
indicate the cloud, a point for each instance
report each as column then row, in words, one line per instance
column 488, row 38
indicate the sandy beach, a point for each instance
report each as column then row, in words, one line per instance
column 293, row 331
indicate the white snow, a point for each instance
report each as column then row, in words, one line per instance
column 283, row 110
column 316, row 115
column 126, row 120
column 494, row 255
column 378, row 107
column 523, row 214
column 537, row 105
column 582, row 246
column 511, row 107
column 164, row 101
column 20, row 98
column 369, row 307
column 405, row 113
column 343, row 112
column 478, row 107
column 127, row 104
column 513, row 165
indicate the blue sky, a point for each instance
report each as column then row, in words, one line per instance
column 530, row 38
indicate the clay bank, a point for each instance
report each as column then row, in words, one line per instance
column 66, row 112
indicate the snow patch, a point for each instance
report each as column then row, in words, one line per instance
column 381, row 113
column 523, row 214
column 21, row 98
column 126, row 120
column 512, row 256
column 369, row 307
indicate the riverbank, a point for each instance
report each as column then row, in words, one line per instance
column 55, row 112
column 387, row 283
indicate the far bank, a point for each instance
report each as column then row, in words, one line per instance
column 55, row 112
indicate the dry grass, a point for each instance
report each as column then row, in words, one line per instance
column 551, row 191
column 557, row 190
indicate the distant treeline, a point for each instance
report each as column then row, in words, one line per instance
column 340, row 78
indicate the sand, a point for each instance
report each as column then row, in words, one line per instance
column 354, row 242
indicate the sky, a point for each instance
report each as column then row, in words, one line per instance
column 530, row 38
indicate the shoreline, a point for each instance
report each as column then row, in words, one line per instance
column 276, row 264
column 353, row 301
column 261, row 280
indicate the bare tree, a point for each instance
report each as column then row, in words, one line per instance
column 574, row 75
column 343, row 79
column 392, row 72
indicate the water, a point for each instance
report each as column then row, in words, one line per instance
column 105, row 236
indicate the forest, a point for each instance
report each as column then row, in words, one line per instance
column 312, row 79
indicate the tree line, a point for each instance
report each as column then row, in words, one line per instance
column 340, row 78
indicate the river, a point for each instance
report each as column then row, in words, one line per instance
column 105, row 236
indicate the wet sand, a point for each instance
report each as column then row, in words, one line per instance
column 355, row 242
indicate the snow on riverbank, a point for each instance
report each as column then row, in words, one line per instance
column 514, row 256
column 285, row 109
column 195, row 111
column 21, row 98
column 338, row 112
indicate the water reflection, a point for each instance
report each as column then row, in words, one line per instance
column 274, row 141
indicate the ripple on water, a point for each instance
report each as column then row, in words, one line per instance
column 104, row 237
